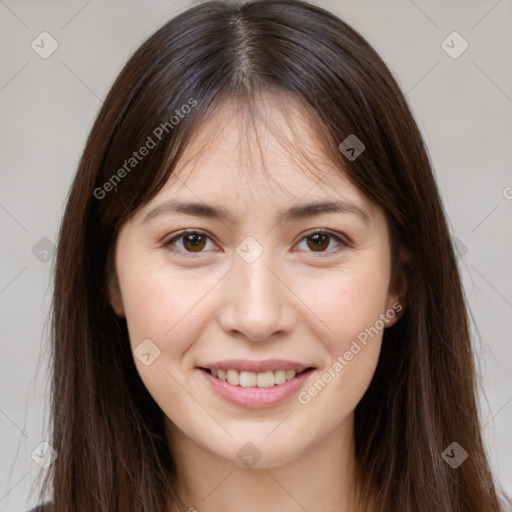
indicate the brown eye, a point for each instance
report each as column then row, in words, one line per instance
column 194, row 242
column 191, row 242
column 318, row 241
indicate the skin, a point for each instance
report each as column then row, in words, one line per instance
column 293, row 302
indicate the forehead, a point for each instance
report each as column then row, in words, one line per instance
column 267, row 150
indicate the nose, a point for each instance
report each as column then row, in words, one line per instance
column 257, row 303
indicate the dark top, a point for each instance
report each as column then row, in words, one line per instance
column 47, row 507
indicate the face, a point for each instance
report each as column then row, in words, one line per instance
column 256, row 292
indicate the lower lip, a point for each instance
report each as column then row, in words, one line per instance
column 254, row 397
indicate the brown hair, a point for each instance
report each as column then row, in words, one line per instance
column 107, row 429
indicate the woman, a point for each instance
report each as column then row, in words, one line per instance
column 223, row 342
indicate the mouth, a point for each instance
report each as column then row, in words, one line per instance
column 249, row 379
column 256, row 384
column 269, row 386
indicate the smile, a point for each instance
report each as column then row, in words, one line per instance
column 247, row 379
column 256, row 389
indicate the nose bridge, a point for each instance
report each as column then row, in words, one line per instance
column 255, row 303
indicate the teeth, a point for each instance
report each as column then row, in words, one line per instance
column 251, row 379
column 290, row 374
column 266, row 379
column 233, row 377
column 280, row 376
column 247, row 379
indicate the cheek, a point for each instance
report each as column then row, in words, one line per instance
column 350, row 328
column 167, row 307
column 347, row 303
column 147, row 310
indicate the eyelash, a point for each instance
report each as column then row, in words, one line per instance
column 342, row 243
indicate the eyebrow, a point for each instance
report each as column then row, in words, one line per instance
column 296, row 212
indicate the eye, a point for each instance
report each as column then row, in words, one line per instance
column 318, row 240
column 194, row 241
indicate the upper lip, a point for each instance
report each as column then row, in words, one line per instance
column 255, row 366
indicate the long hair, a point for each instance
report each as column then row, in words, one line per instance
column 106, row 428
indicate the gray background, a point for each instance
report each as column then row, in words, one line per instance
column 463, row 106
